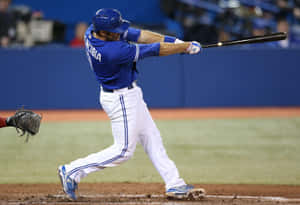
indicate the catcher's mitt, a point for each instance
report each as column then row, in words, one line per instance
column 27, row 121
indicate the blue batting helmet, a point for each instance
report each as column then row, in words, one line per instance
column 110, row 20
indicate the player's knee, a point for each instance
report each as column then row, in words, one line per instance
column 129, row 153
column 126, row 152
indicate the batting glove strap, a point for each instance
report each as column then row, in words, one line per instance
column 178, row 41
column 194, row 48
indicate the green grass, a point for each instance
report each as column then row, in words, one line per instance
column 252, row 151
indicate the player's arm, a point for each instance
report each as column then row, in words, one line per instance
column 186, row 47
column 171, row 48
column 126, row 52
column 147, row 37
column 153, row 37
column 165, row 49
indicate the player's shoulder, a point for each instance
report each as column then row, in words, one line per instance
column 118, row 46
column 116, row 50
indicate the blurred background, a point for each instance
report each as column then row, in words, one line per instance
column 42, row 53
column 30, row 23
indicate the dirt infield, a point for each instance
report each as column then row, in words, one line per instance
column 153, row 193
column 150, row 193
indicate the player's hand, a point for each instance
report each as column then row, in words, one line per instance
column 194, row 48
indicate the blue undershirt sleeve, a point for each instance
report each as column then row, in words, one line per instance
column 132, row 34
column 147, row 50
column 124, row 52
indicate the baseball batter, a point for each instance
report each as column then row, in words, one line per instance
column 113, row 48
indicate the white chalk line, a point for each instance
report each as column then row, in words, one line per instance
column 263, row 198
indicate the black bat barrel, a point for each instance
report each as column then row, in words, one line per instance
column 248, row 40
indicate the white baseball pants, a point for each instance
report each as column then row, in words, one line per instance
column 131, row 123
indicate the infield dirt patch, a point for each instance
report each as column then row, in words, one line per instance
column 149, row 193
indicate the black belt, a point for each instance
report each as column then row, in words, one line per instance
column 111, row 91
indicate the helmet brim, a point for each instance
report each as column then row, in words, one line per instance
column 122, row 28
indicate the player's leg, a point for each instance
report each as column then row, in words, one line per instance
column 121, row 108
column 151, row 140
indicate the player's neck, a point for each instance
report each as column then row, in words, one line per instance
column 107, row 36
column 99, row 37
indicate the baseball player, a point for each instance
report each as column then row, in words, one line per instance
column 113, row 48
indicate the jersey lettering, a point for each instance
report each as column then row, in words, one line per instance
column 90, row 49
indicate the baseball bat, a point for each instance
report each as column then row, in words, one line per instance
column 253, row 39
